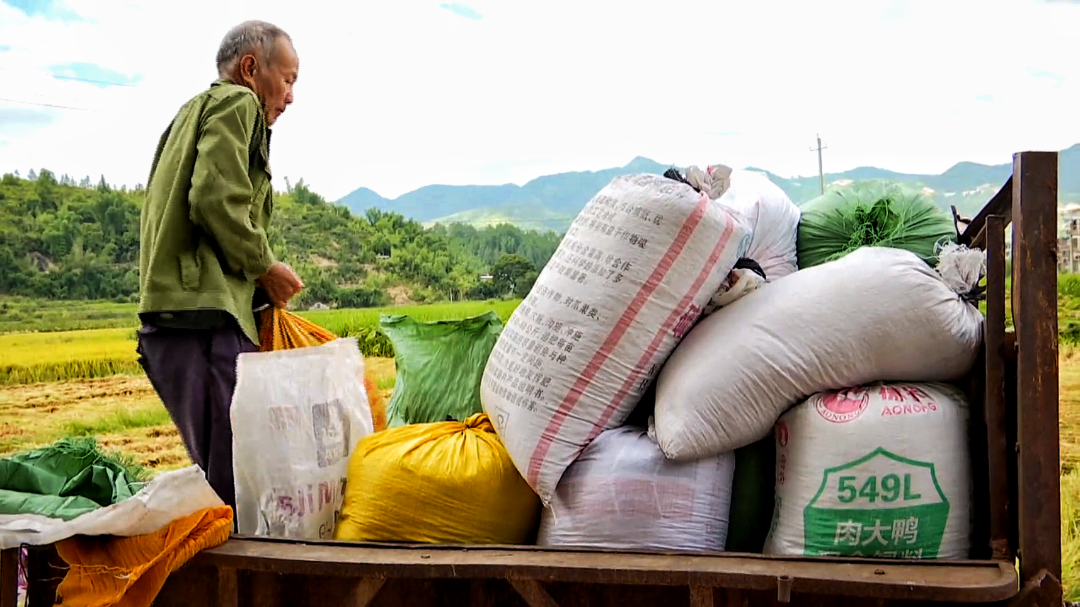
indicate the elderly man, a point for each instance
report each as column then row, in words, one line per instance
column 205, row 262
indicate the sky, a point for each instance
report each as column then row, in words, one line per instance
column 395, row 95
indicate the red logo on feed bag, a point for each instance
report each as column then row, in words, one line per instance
column 781, row 434
column 843, row 406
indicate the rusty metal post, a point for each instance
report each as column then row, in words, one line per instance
column 1035, row 185
column 994, row 401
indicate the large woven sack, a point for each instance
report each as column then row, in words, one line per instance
column 296, row 416
column 443, row 483
column 772, row 217
column 628, row 280
column 439, row 366
column 623, row 494
column 872, row 214
column 880, row 471
column 875, row 314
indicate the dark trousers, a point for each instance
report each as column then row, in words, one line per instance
column 193, row 371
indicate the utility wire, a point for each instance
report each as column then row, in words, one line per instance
column 52, row 105
column 73, row 78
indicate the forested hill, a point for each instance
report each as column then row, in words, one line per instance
column 60, row 240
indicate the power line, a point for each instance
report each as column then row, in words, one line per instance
column 51, row 105
column 74, row 78
column 94, row 81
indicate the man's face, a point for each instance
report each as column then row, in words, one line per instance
column 274, row 82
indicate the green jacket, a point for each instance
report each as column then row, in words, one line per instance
column 207, row 209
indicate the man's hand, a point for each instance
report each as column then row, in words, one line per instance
column 280, row 283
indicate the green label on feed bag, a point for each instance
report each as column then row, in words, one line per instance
column 880, row 505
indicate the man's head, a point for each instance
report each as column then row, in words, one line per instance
column 261, row 57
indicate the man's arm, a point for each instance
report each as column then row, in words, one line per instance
column 221, row 191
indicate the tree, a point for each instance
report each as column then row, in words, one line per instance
column 510, row 270
column 362, row 297
column 31, row 176
column 58, row 241
column 525, row 284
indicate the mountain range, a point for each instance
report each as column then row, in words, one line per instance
column 552, row 202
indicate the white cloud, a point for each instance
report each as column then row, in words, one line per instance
column 396, row 95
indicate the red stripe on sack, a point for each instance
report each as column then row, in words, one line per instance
column 710, row 266
column 616, row 334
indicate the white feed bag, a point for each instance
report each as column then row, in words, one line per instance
column 628, row 280
column 623, row 494
column 772, row 217
column 876, row 471
column 876, row 314
column 296, row 416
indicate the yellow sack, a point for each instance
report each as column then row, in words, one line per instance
column 280, row 329
column 443, row 483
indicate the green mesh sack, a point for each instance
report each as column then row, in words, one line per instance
column 439, row 367
column 842, row 220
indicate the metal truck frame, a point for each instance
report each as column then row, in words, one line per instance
column 1016, row 558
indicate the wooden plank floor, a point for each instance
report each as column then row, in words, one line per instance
column 967, row 581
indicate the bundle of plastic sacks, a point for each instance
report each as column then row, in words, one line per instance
column 119, row 534
column 701, row 366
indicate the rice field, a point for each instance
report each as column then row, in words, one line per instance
column 34, row 357
column 27, row 358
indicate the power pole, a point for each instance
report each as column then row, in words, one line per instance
column 820, row 171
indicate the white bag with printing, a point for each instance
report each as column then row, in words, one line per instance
column 876, row 314
column 878, row 471
column 628, row 280
column 623, row 494
column 296, row 416
column 772, row 217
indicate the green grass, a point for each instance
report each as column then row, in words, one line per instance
column 363, row 324
column 119, row 420
column 21, row 314
column 37, row 357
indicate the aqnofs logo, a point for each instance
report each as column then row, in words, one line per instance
column 842, row 406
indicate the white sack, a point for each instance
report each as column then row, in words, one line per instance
column 623, row 494
column 296, row 416
column 169, row 496
column 772, row 217
column 739, row 283
column 877, row 471
column 628, row 280
column 875, row 314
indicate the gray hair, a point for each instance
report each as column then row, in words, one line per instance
column 255, row 37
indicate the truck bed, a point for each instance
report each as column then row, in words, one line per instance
column 1015, row 466
column 263, row 571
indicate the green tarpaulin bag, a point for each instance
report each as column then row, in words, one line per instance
column 753, row 490
column 439, row 366
column 65, row 480
column 842, row 220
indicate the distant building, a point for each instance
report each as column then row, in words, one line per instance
column 319, row 306
column 1069, row 239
